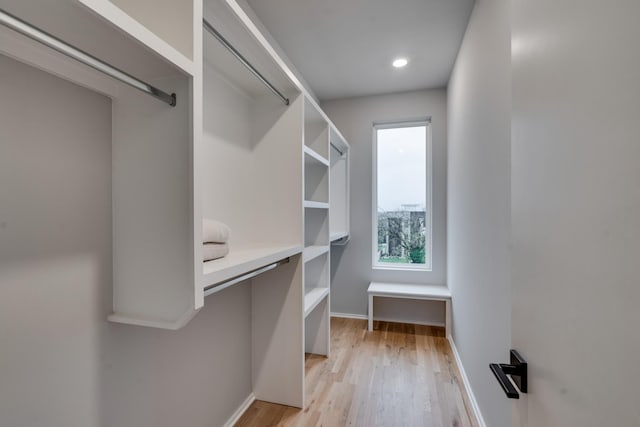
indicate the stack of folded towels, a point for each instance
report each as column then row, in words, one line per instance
column 215, row 235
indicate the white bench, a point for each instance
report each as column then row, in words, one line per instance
column 399, row 290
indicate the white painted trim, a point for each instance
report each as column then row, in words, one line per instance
column 240, row 411
column 350, row 316
column 467, row 386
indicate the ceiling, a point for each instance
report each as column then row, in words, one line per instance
column 344, row 48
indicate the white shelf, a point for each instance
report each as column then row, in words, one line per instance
column 315, row 205
column 117, row 17
column 309, row 152
column 240, row 261
column 339, row 235
column 313, row 298
column 311, row 252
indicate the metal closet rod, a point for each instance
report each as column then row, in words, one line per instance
column 237, row 279
column 55, row 43
column 337, row 149
column 243, row 60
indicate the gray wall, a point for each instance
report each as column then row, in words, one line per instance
column 61, row 362
column 351, row 264
column 479, row 101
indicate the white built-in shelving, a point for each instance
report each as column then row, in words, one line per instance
column 316, row 230
column 250, row 177
column 152, row 209
column 229, row 150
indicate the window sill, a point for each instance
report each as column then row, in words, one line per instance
column 401, row 267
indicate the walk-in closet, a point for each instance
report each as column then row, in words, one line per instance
column 299, row 213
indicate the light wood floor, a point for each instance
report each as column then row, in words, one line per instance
column 398, row 375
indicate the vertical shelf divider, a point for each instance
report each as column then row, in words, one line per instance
column 316, row 269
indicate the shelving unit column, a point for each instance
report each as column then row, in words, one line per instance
column 316, row 257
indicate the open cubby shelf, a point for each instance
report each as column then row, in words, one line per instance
column 311, row 157
column 316, row 182
column 316, row 227
column 311, row 252
column 316, row 282
column 313, row 298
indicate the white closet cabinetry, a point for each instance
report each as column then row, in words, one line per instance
column 151, row 141
column 229, row 150
column 249, row 176
column 247, row 167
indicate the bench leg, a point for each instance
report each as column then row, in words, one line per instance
column 370, row 312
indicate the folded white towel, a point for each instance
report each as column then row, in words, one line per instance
column 211, row 251
column 214, row 231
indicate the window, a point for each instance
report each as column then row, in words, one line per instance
column 402, row 196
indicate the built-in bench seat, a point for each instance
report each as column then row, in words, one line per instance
column 401, row 290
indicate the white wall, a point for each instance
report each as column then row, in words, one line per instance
column 61, row 362
column 478, row 216
column 351, row 264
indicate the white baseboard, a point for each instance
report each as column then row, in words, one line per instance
column 467, row 386
column 350, row 316
column 240, row 411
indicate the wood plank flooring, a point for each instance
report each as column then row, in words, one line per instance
column 398, row 375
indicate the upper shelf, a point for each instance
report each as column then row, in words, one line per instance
column 225, row 21
column 171, row 20
column 176, row 26
column 104, row 31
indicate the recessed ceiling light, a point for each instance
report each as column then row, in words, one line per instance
column 400, row 62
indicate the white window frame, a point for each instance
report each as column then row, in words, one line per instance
column 427, row 266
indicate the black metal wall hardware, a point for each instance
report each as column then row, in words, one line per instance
column 518, row 371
